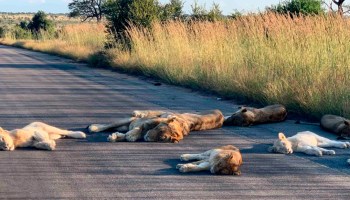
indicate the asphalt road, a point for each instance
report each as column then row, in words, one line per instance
column 40, row 87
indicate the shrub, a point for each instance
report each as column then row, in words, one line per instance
column 305, row 7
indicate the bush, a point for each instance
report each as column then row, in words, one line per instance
column 40, row 22
column 2, row 32
column 305, row 7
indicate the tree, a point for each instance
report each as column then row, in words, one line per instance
column 40, row 22
column 121, row 13
column 298, row 7
column 198, row 11
column 87, row 9
column 215, row 13
column 172, row 10
column 144, row 12
column 117, row 15
column 339, row 4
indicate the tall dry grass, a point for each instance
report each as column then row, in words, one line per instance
column 303, row 63
column 77, row 41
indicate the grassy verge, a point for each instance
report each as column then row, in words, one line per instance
column 79, row 41
column 302, row 63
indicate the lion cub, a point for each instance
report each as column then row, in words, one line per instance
column 36, row 134
column 306, row 142
column 336, row 124
column 247, row 116
column 225, row 160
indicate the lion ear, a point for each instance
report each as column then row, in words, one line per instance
column 229, row 156
column 271, row 149
column 347, row 123
column 281, row 136
column 1, row 138
column 244, row 110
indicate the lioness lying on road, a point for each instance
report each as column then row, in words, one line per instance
column 223, row 160
column 36, row 134
column 160, row 126
column 306, row 142
column 247, row 116
column 336, row 124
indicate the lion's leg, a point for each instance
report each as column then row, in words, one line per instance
column 195, row 163
column 195, row 167
column 326, row 151
column 46, row 145
column 200, row 156
column 43, row 141
column 116, row 137
column 55, row 132
column 310, row 150
column 332, row 143
column 134, row 134
column 148, row 113
column 130, row 136
column 95, row 128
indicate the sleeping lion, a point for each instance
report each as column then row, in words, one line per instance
column 247, row 116
column 306, row 142
column 36, row 134
column 160, row 126
column 225, row 160
column 336, row 124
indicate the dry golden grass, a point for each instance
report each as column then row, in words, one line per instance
column 303, row 63
column 77, row 41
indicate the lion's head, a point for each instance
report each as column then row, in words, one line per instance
column 6, row 142
column 282, row 145
column 345, row 128
column 167, row 131
column 227, row 163
column 243, row 117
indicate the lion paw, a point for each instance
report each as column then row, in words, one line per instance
column 49, row 145
column 343, row 145
column 178, row 166
column 185, row 157
column 347, row 144
column 184, row 168
column 77, row 134
column 318, row 153
column 139, row 114
column 94, row 128
column 330, row 152
column 115, row 137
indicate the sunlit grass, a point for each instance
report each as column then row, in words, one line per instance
column 78, row 41
column 303, row 63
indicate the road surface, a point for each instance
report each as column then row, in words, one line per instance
column 60, row 92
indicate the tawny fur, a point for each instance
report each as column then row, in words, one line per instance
column 36, row 134
column 336, row 124
column 306, row 142
column 247, row 116
column 225, row 160
column 160, row 126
